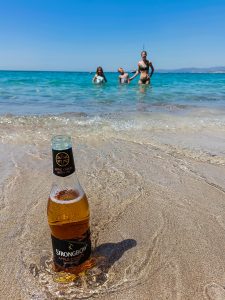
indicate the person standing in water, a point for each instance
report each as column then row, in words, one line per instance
column 143, row 69
column 123, row 77
column 99, row 76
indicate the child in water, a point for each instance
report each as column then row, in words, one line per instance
column 99, row 76
column 123, row 77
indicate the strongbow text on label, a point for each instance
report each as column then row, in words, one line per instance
column 71, row 254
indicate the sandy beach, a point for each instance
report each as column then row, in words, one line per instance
column 139, row 86
column 157, row 201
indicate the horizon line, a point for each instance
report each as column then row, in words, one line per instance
column 111, row 71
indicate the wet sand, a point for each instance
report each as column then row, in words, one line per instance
column 157, row 214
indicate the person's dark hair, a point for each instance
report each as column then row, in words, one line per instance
column 99, row 68
column 144, row 52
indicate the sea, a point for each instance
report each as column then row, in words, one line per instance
column 63, row 101
column 55, row 93
column 34, row 105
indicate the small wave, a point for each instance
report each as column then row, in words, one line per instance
column 74, row 114
column 173, row 106
column 195, row 135
column 194, row 119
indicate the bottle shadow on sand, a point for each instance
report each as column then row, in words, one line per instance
column 106, row 255
column 112, row 252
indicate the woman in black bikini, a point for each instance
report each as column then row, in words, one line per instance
column 143, row 69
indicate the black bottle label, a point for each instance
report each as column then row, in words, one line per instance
column 63, row 162
column 71, row 253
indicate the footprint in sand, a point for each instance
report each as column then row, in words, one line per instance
column 214, row 291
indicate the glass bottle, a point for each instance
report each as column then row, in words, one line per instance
column 68, row 212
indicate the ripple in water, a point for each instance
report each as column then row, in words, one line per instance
column 41, row 282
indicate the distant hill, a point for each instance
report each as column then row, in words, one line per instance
column 194, row 70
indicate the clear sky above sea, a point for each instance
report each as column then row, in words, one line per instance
column 79, row 35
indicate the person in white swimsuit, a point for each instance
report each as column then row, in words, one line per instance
column 99, row 76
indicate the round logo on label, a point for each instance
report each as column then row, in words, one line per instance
column 62, row 159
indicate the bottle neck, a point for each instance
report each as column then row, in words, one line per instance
column 64, row 175
column 66, row 183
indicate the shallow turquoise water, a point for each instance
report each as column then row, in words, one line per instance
column 40, row 93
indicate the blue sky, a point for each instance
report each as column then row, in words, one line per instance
column 80, row 35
